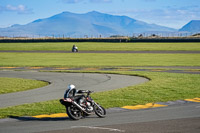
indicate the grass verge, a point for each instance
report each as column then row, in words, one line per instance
column 100, row 46
column 97, row 60
column 8, row 85
column 162, row 87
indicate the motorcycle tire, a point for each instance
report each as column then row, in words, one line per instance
column 73, row 112
column 100, row 111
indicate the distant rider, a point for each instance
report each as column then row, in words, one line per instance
column 74, row 48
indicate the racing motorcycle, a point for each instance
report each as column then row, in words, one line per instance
column 85, row 107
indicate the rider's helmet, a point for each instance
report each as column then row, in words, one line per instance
column 71, row 87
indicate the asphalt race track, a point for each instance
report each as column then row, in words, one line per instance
column 182, row 118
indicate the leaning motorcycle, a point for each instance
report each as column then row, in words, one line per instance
column 87, row 107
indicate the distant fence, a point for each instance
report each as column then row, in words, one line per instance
column 159, row 34
column 123, row 39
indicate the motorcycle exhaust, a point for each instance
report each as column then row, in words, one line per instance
column 81, row 108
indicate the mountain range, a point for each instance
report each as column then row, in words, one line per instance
column 80, row 25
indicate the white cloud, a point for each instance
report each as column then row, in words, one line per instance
column 20, row 9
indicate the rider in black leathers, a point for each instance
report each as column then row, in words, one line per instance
column 72, row 91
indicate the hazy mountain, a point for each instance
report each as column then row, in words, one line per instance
column 90, row 24
column 192, row 26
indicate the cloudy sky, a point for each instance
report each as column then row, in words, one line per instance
column 171, row 13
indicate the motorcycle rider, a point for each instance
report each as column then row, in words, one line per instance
column 72, row 92
column 74, row 48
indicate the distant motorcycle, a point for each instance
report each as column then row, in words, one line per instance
column 87, row 107
column 74, row 48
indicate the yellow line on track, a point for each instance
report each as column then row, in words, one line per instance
column 34, row 67
column 61, row 68
column 8, row 67
column 51, row 116
column 193, row 100
column 148, row 105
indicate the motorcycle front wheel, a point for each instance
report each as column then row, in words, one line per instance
column 73, row 112
column 100, row 111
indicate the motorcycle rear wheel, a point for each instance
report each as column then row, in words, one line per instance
column 100, row 111
column 73, row 112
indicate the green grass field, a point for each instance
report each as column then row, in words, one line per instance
column 8, row 85
column 97, row 60
column 95, row 46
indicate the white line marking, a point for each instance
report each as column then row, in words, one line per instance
column 102, row 128
column 197, row 106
